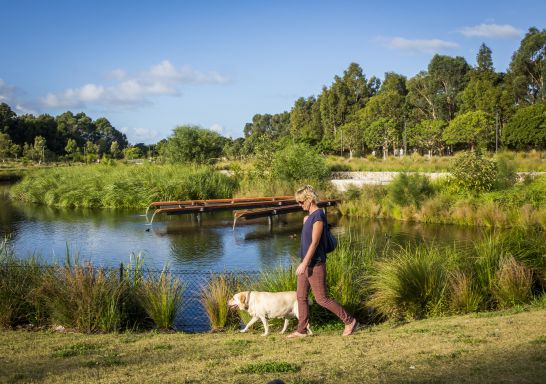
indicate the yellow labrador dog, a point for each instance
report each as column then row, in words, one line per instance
column 267, row 305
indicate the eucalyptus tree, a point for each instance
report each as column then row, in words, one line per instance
column 527, row 71
column 342, row 100
column 388, row 104
column 421, row 98
column 448, row 76
column 482, row 91
column 305, row 122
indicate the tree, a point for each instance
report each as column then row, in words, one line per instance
column 351, row 137
column 448, row 76
column 7, row 118
column 421, row 97
column 427, row 135
column 71, row 148
column 106, row 134
column 91, row 151
column 5, row 146
column 481, row 92
column 39, row 149
column 190, row 143
column 471, row 128
column 383, row 134
column 114, row 150
column 527, row 71
column 132, row 153
column 305, row 123
column 527, row 128
column 341, row 101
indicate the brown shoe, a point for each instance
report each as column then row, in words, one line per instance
column 295, row 335
column 350, row 328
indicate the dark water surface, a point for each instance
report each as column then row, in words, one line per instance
column 108, row 237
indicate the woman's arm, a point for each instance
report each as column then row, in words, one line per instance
column 315, row 238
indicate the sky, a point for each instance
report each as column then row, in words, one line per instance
column 150, row 66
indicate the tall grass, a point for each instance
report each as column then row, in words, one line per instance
column 121, row 186
column 519, row 206
column 412, row 283
column 82, row 297
column 18, row 280
column 513, row 282
column 161, row 298
column 214, row 298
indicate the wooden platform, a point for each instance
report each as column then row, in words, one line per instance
column 244, row 208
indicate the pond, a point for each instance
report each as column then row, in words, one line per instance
column 108, row 237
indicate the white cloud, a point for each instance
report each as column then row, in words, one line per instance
column 6, row 91
column 140, row 135
column 11, row 95
column 418, row 45
column 117, row 74
column 491, row 30
column 216, row 128
column 185, row 74
column 161, row 79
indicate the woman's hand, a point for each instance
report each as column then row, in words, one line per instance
column 301, row 269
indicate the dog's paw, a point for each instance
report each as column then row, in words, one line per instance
column 243, row 330
column 265, row 334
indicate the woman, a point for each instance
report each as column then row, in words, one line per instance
column 311, row 271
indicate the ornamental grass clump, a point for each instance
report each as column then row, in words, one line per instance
column 412, row 283
column 464, row 296
column 512, row 284
column 161, row 298
column 214, row 298
column 18, row 280
column 85, row 298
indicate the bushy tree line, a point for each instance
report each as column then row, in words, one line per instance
column 450, row 106
column 70, row 136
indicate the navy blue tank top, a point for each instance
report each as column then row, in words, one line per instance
column 307, row 234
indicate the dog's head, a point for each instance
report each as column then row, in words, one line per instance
column 239, row 300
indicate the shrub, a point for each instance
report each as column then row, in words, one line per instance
column 299, row 162
column 410, row 189
column 473, row 173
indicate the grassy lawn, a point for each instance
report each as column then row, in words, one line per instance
column 492, row 347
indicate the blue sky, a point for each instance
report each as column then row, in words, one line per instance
column 149, row 66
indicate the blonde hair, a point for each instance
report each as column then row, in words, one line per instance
column 306, row 193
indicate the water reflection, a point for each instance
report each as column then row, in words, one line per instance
column 108, row 237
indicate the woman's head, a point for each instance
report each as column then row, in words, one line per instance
column 306, row 194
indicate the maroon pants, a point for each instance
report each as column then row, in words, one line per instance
column 315, row 277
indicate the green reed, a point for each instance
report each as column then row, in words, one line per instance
column 121, row 186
